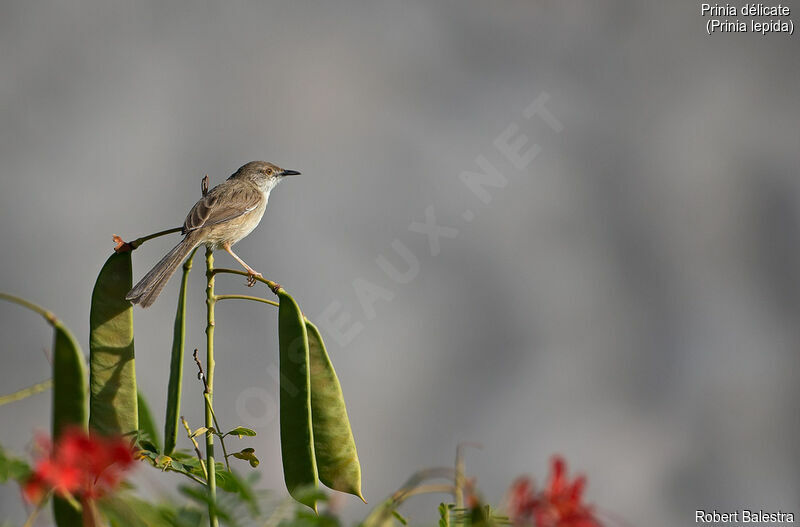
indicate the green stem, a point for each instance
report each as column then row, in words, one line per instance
column 48, row 316
column 138, row 241
column 210, row 301
column 460, row 479
column 248, row 297
column 274, row 286
column 196, row 448
column 35, row 512
column 219, row 433
column 433, row 488
column 190, row 476
column 458, row 490
column 26, row 392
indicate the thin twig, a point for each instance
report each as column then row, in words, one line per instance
column 248, row 297
column 196, row 446
column 188, row 475
column 123, row 246
column 283, row 511
column 460, row 482
column 26, row 392
column 35, row 512
column 274, row 286
column 202, row 377
column 219, row 433
column 48, row 316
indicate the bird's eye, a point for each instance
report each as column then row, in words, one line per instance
column 269, row 171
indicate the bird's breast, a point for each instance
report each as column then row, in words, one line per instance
column 237, row 228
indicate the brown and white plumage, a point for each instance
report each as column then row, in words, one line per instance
column 226, row 214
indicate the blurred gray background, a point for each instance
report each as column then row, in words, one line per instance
column 629, row 299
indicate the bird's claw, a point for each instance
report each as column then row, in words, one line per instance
column 251, row 278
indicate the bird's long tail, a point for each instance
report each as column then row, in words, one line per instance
column 147, row 290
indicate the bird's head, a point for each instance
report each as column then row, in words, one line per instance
column 263, row 174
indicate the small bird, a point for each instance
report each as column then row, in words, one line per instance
column 226, row 214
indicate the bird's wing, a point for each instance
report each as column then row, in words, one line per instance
column 222, row 204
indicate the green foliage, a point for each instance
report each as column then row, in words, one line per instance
column 129, row 511
column 69, row 404
column 399, row 517
column 248, row 454
column 240, row 504
column 69, row 382
column 444, row 514
column 316, row 438
column 180, row 461
column 334, row 446
column 297, row 440
column 381, row 516
column 146, row 422
column 240, row 432
column 69, row 395
column 173, row 410
column 12, row 468
column 113, row 401
column 303, row 518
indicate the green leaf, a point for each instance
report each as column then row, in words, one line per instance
column 193, row 465
column 163, row 461
column 129, row 511
column 146, row 446
column 241, row 431
column 297, row 439
column 201, row 430
column 248, row 454
column 146, row 422
column 444, row 514
column 226, row 480
column 334, row 446
column 202, row 497
column 12, row 468
column 172, row 420
column 185, row 456
column 69, row 404
column 65, row 513
column 400, row 517
column 113, row 404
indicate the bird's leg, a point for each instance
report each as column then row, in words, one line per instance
column 251, row 273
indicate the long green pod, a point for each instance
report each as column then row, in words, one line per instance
column 172, row 419
column 69, row 382
column 334, row 446
column 112, row 373
column 69, row 404
column 297, row 437
column 69, row 393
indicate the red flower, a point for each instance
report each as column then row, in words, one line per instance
column 34, row 489
column 557, row 505
column 79, row 464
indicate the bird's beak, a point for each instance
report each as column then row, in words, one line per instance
column 290, row 173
